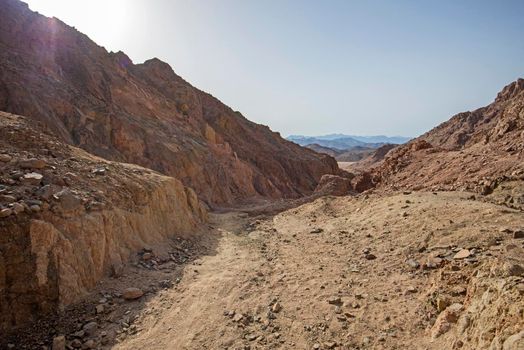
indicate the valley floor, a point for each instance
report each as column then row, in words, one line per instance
column 338, row 273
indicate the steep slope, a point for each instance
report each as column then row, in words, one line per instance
column 68, row 219
column 143, row 114
column 473, row 150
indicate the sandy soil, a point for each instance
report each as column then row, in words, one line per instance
column 304, row 279
column 373, row 272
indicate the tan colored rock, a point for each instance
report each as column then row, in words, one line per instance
column 59, row 343
column 446, row 318
column 462, row 254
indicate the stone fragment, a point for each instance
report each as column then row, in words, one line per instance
column 17, row 208
column 132, row 293
column 32, row 178
column 5, row 212
column 32, row 163
column 90, row 327
column 334, row 300
column 276, row 307
column 59, row 343
column 413, row 263
column 7, row 198
column 518, row 234
column 4, row 158
column 462, row 254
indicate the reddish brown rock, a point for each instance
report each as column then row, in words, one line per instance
column 144, row 114
column 473, row 151
column 334, row 185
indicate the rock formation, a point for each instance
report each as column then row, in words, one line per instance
column 70, row 218
column 472, row 151
column 143, row 114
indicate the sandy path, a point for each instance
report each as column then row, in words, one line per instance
column 303, row 279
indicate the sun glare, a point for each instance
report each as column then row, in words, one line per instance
column 103, row 21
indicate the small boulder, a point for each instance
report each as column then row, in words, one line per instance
column 132, row 293
column 33, row 163
column 32, row 178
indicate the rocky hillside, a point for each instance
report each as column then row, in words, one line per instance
column 473, row 150
column 143, row 114
column 68, row 219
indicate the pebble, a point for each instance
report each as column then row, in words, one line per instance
column 317, row 230
column 76, row 343
column 100, row 309
column 59, row 343
column 413, row 263
column 17, row 208
column 5, row 212
column 462, row 254
column 335, row 300
column 32, row 178
column 90, row 327
column 33, row 163
column 276, row 307
column 132, row 293
column 90, row 344
column 518, row 234
column 238, row 317
column 4, row 158
column 7, row 198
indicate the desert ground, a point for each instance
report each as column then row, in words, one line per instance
column 366, row 272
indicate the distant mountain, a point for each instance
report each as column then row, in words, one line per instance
column 347, row 142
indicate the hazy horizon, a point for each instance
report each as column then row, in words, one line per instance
column 306, row 68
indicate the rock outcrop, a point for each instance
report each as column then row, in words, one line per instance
column 77, row 220
column 143, row 114
column 473, row 151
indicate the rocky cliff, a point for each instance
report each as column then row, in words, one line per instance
column 68, row 218
column 475, row 150
column 143, row 113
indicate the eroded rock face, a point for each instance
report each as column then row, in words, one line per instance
column 143, row 114
column 334, row 185
column 73, row 227
column 473, row 151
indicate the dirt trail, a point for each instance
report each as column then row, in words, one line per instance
column 347, row 273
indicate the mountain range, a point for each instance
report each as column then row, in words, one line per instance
column 346, row 142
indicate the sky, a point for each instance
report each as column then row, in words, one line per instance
column 397, row 67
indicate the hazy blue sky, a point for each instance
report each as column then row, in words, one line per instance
column 317, row 67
